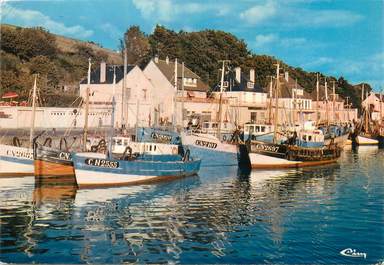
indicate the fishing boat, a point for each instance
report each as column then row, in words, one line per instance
column 303, row 148
column 57, row 162
column 210, row 147
column 17, row 160
column 95, row 169
column 300, row 153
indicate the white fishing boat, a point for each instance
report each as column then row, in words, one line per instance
column 365, row 140
column 303, row 148
column 17, row 160
column 212, row 150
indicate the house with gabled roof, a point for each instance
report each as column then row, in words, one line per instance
column 375, row 103
column 167, row 78
column 134, row 102
column 331, row 107
column 247, row 99
column 295, row 104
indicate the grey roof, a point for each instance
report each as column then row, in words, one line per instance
column 95, row 75
column 322, row 94
column 234, row 85
column 286, row 88
column 168, row 69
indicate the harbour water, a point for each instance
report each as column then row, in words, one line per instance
column 221, row 216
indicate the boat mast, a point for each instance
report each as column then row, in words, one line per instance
column 123, row 89
column 220, row 100
column 85, row 134
column 317, row 98
column 182, row 97
column 276, row 103
column 270, row 100
column 326, row 101
column 31, row 132
column 111, row 133
column 381, row 106
column 175, row 98
column 333, row 102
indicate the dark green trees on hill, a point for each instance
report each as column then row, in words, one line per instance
column 25, row 51
column 28, row 51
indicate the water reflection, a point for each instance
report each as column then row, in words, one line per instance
column 222, row 216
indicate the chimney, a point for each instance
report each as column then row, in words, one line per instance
column 252, row 75
column 167, row 59
column 156, row 59
column 286, row 76
column 103, row 67
column 238, row 74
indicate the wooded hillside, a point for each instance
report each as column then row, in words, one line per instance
column 61, row 61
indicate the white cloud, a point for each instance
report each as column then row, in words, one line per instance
column 169, row 10
column 111, row 30
column 289, row 14
column 259, row 13
column 272, row 39
column 329, row 18
column 31, row 18
column 262, row 40
column 318, row 62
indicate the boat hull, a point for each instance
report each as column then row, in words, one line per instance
column 15, row 161
column 339, row 140
column 212, row 152
column 92, row 170
column 363, row 140
column 50, row 162
column 271, row 156
column 259, row 161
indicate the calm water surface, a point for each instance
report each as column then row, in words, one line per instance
column 220, row 216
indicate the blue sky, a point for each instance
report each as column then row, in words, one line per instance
column 340, row 37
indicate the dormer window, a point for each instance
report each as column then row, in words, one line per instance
column 190, row 81
column 298, row 92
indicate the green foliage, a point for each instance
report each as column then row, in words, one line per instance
column 25, row 51
column 137, row 45
column 27, row 42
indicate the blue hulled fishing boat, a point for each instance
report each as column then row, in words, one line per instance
column 94, row 169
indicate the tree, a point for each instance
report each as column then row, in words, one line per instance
column 137, row 45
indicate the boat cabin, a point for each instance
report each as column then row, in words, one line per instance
column 253, row 130
column 313, row 138
column 119, row 145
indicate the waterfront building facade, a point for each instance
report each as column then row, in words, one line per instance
column 375, row 103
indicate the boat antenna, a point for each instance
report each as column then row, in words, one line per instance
column 221, row 98
column 111, row 133
column 85, row 134
column 276, row 103
column 32, row 130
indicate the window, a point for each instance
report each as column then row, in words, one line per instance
column 119, row 142
column 250, row 85
column 190, row 81
column 253, row 116
column 144, row 94
column 128, row 93
column 262, row 129
column 225, row 84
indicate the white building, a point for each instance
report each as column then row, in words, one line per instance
column 162, row 75
column 138, row 105
column 16, row 117
column 247, row 100
column 375, row 103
